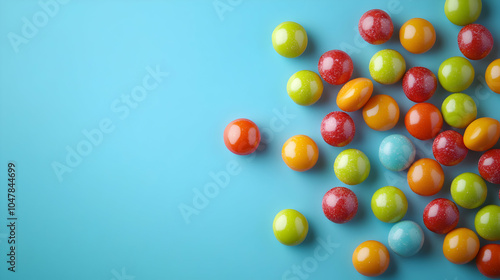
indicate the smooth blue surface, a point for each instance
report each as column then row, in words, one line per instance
column 406, row 238
column 396, row 152
column 118, row 212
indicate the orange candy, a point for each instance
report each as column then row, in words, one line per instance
column 354, row 95
column 417, row 35
column 300, row 153
column 492, row 76
column 460, row 246
column 371, row 258
column 482, row 134
column 425, row 177
column 381, row 112
column 423, row 121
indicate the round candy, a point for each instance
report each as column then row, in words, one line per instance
column 462, row 12
column 456, row 74
column 340, row 205
column 492, row 76
column 396, row 152
column 475, row 41
column 290, row 227
column 389, row 204
column 289, row 39
column 461, row 246
column 304, row 87
column 335, row 67
column 489, row 166
column 375, row 27
column 425, row 177
column 387, row 66
column 482, row 134
column 423, row 121
column 488, row 260
column 468, row 190
column 406, row 238
column 449, row 148
column 417, row 35
column 419, row 84
column 381, row 112
column 351, row 167
column 242, row 136
column 459, row 110
column 354, row 95
column 337, row 129
column 487, row 222
column 371, row 258
column 441, row 215
column 300, row 153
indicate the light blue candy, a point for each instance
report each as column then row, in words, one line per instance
column 406, row 238
column 396, row 152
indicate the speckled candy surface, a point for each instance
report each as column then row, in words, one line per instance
column 462, row 12
column 487, row 222
column 375, row 27
column 419, row 84
column 396, row 152
column 460, row 246
column 459, row 110
column 441, row 215
column 387, row 66
column 489, row 166
column 289, row 39
column 351, row 166
column 482, row 134
column 456, row 74
column 381, row 112
column 449, row 148
column 337, row 129
column 406, row 238
column 340, row 205
column 475, row 41
column 423, row 121
column 389, row 204
column 468, row 190
column 304, row 87
column 425, row 177
column 335, row 67
column 290, row 227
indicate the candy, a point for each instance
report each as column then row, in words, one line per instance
column 487, row 222
column 406, row 238
column 419, row 84
column 449, row 148
column 425, row 177
column 492, row 76
column 304, row 87
column 290, row 227
column 289, row 39
column 300, row 153
column 462, row 12
column 417, row 35
column 335, row 67
column 482, row 134
column 475, row 41
column 375, row 27
column 488, row 260
column 459, row 110
column 387, row 66
column 461, row 246
column 489, row 166
column 351, row 167
column 456, row 74
column 340, row 205
column 381, row 112
column 337, row 129
column 389, row 204
column 468, row 190
column 371, row 258
column 441, row 215
column 242, row 137
column 423, row 121
column 354, row 95
column 396, row 152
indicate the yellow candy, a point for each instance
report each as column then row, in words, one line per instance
column 300, row 153
column 354, row 95
column 381, row 112
column 482, row 134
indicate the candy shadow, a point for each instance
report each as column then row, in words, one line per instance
column 310, row 238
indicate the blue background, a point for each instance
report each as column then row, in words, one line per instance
column 116, row 214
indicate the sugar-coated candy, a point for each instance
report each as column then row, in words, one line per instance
column 482, row 134
column 351, row 167
column 375, row 27
column 417, row 35
column 406, row 238
column 449, row 148
column 354, row 94
column 242, row 136
column 340, row 205
column 419, row 84
column 290, row 227
column 304, row 87
column 475, row 41
column 425, row 177
column 456, row 74
column 489, row 166
column 371, row 258
column 488, row 260
column 289, row 39
column 423, row 121
column 335, row 67
column 387, row 66
column 462, row 12
column 487, row 222
column 300, row 153
column 396, row 152
column 389, row 204
column 459, row 110
column 460, row 246
column 441, row 215
column 492, row 76
column 381, row 112
column 337, row 129
column 468, row 190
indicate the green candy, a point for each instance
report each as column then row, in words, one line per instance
column 387, row 66
column 304, row 87
column 389, row 204
column 290, row 227
column 459, row 110
column 487, row 222
column 469, row 190
column 351, row 166
column 456, row 74
column 462, row 12
column 289, row 39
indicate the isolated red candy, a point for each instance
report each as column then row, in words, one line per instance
column 475, row 41
column 375, row 27
column 441, row 215
column 449, row 148
column 340, row 205
column 335, row 67
column 419, row 84
column 337, row 129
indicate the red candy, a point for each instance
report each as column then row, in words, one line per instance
column 335, row 67
column 441, row 215
column 489, row 166
column 337, row 129
column 448, row 148
column 340, row 205
column 475, row 41
column 375, row 26
column 423, row 121
column 419, row 84
column 488, row 260
column 242, row 136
